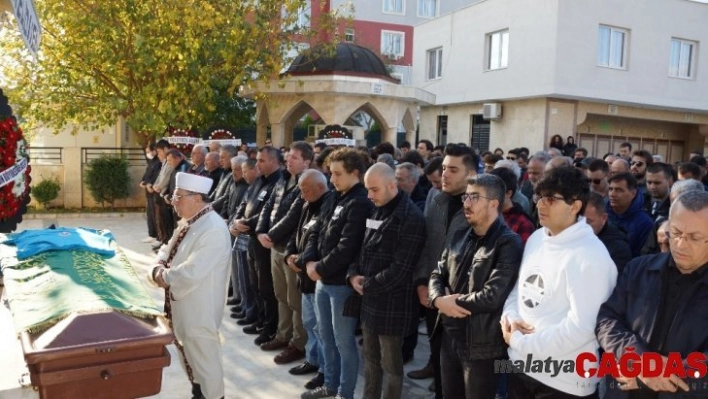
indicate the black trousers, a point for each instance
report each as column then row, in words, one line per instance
column 150, row 214
column 262, row 283
column 463, row 378
column 431, row 315
column 522, row 386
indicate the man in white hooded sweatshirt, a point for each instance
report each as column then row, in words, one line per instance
column 566, row 274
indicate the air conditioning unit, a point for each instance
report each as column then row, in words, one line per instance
column 492, row 111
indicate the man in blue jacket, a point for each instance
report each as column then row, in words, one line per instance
column 626, row 210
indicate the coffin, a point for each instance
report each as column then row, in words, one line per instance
column 106, row 355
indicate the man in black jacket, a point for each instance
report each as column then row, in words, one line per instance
column 259, row 256
column 443, row 215
column 475, row 275
column 315, row 191
column 149, row 177
column 332, row 247
column 615, row 240
column 220, row 196
column 276, row 226
column 383, row 276
column 658, row 306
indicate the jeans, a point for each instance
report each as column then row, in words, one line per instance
column 248, row 296
column 382, row 354
column 522, row 386
column 464, row 378
column 313, row 348
column 289, row 301
column 340, row 353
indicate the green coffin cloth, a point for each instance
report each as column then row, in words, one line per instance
column 46, row 288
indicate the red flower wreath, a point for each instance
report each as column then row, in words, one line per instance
column 13, row 158
column 220, row 134
column 185, row 149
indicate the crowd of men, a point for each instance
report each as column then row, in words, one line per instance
column 507, row 258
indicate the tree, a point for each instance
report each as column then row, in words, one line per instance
column 154, row 62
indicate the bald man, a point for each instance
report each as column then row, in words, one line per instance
column 383, row 276
column 559, row 162
column 619, row 166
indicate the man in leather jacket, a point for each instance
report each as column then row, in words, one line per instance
column 478, row 269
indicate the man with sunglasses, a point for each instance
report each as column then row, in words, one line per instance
column 566, row 274
column 597, row 173
column 659, row 305
column 638, row 165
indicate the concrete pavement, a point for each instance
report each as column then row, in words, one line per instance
column 249, row 371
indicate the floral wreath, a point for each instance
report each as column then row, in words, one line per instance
column 220, row 134
column 14, row 173
column 336, row 135
column 184, row 148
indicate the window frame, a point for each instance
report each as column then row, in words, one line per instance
column 347, row 32
column 403, row 43
column 403, row 7
column 438, row 51
column 625, row 48
column 691, row 62
column 436, row 13
column 488, row 39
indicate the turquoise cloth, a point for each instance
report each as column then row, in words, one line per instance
column 34, row 242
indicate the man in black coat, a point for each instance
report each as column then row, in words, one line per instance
column 615, row 240
column 277, row 223
column 149, row 177
column 383, row 276
column 220, row 196
column 659, row 305
column 474, row 277
column 258, row 256
column 318, row 197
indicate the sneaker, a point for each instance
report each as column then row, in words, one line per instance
column 317, row 393
column 425, row 372
column 316, row 382
column 263, row 338
column 148, row 240
column 253, row 329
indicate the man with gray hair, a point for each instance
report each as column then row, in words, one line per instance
column 387, row 159
column 559, row 162
column 554, row 152
column 683, row 186
column 199, row 153
column 407, row 176
column 658, row 305
column 221, row 194
column 474, row 277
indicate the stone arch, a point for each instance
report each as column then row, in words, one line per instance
column 289, row 120
column 375, row 114
column 262, row 123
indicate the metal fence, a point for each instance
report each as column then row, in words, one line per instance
column 46, row 155
column 135, row 156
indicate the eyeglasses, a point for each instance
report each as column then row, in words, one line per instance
column 690, row 239
column 547, row 200
column 473, row 197
column 595, row 181
column 176, row 197
column 638, row 163
column 511, row 158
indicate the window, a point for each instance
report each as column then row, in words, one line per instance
column 681, row 59
column 427, row 8
column 435, row 63
column 498, row 50
column 303, row 17
column 612, row 47
column 349, row 35
column 394, row 6
column 392, row 44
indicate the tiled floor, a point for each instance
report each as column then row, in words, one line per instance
column 249, row 372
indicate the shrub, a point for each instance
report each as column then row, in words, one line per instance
column 46, row 191
column 108, row 179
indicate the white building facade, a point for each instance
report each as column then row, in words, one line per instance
column 602, row 71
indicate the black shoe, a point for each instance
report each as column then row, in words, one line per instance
column 239, row 316
column 253, row 329
column 236, row 309
column 246, row 322
column 407, row 358
column 263, row 338
column 233, row 302
column 316, row 382
column 305, row 368
column 197, row 391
